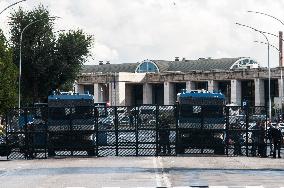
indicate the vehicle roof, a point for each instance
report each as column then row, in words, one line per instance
column 71, row 97
column 201, row 94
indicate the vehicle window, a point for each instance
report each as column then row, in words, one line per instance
column 57, row 113
column 147, row 111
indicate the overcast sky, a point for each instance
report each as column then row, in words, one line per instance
column 129, row 31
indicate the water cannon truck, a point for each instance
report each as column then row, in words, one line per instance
column 71, row 122
column 201, row 121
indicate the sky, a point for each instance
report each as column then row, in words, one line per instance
column 130, row 31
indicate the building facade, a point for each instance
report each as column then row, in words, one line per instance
column 159, row 81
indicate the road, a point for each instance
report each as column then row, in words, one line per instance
column 143, row 172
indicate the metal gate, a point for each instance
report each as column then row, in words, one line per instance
column 146, row 130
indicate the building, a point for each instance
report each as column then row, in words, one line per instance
column 159, row 81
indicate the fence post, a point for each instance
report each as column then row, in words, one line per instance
column 26, row 145
column 116, row 130
column 6, row 131
column 70, row 129
column 176, row 115
column 135, row 119
column 227, row 129
column 45, row 132
column 157, row 130
column 96, row 114
column 202, row 127
column 247, row 129
column 266, row 132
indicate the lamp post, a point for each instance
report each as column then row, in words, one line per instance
column 266, row 44
column 20, row 61
column 268, row 63
column 280, row 50
column 262, row 13
column 11, row 6
column 280, row 53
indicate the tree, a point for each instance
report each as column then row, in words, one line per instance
column 8, row 77
column 69, row 59
column 49, row 61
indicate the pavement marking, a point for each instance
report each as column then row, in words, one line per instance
column 260, row 186
column 164, row 175
column 157, row 175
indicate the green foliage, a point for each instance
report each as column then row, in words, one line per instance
column 71, row 51
column 49, row 61
column 8, row 77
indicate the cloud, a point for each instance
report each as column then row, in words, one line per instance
column 134, row 30
column 101, row 52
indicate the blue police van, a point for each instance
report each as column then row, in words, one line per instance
column 201, row 121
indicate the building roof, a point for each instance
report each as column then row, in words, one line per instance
column 202, row 64
column 110, row 68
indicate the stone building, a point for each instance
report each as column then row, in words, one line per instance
column 159, row 81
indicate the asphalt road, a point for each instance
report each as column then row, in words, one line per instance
column 143, row 172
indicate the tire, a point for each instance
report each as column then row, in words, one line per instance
column 51, row 153
column 219, row 150
column 180, row 150
column 91, row 152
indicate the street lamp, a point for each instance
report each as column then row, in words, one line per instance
column 266, row 44
column 20, row 61
column 280, row 53
column 261, row 32
column 11, row 6
column 280, row 50
column 262, row 13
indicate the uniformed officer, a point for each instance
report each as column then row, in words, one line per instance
column 262, row 150
column 164, row 133
column 277, row 139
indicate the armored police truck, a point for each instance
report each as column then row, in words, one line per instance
column 71, row 122
column 201, row 121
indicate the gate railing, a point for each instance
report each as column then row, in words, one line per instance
column 146, row 130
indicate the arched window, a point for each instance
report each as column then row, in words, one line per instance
column 147, row 66
column 245, row 63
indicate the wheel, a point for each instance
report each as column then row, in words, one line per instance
column 180, row 150
column 5, row 150
column 91, row 152
column 219, row 150
column 51, row 152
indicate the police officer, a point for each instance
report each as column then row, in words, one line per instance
column 269, row 137
column 29, row 153
column 164, row 133
column 262, row 144
column 277, row 139
column 237, row 139
column 255, row 138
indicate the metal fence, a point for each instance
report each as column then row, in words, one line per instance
column 133, row 131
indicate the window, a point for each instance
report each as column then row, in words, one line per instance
column 147, row 66
column 245, row 63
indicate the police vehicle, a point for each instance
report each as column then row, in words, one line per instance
column 71, row 122
column 201, row 121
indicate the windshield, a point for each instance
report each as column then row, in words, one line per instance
column 201, row 101
column 194, row 111
column 147, row 111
